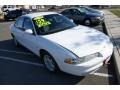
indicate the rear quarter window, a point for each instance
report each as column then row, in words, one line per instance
column 19, row 22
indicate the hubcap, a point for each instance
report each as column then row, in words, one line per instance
column 49, row 63
column 87, row 22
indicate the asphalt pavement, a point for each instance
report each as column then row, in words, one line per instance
column 20, row 66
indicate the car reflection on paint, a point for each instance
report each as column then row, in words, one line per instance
column 83, row 15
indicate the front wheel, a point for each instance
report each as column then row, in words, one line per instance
column 50, row 63
column 87, row 22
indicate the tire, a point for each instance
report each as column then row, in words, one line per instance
column 49, row 62
column 87, row 22
column 15, row 41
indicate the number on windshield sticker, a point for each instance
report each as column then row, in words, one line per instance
column 41, row 22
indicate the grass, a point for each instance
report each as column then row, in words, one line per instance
column 116, row 12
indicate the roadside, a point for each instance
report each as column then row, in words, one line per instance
column 116, row 12
column 112, row 23
column 1, row 17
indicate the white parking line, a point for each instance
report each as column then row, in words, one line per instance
column 102, row 74
column 22, row 61
column 41, row 65
column 4, row 50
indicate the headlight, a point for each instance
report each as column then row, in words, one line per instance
column 82, row 59
column 70, row 61
column 98, row 17
column 108, row 40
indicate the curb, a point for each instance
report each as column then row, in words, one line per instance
column 116, row 55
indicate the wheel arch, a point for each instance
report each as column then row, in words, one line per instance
column 42, row 51
column 87, row 19
column 12, row 35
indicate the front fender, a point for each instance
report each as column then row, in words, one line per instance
column 58, row 52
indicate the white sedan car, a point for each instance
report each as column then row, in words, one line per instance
column 77, row 50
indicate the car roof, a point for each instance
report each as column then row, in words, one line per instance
column 76, row 7
column 32, row 15
column 70, row 8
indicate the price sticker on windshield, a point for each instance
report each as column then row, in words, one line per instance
column 41, row 22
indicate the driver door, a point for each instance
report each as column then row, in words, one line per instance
column 77, row 16
column 29, row 38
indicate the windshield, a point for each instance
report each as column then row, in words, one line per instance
column 92, row 10
column 83, row 10
column 52, row 23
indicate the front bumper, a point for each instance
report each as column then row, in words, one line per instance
column 91, row 66
column 97, row 21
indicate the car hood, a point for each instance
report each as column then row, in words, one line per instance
column 80, row 40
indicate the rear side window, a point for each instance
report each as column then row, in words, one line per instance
column 66, row 11
column 19, row 22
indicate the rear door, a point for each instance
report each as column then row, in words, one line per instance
column 18, row 30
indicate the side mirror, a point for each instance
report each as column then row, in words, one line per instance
column 29, row 31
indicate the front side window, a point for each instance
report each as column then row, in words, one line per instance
column 49, row 24
column 27, row 24
column 66, row 11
